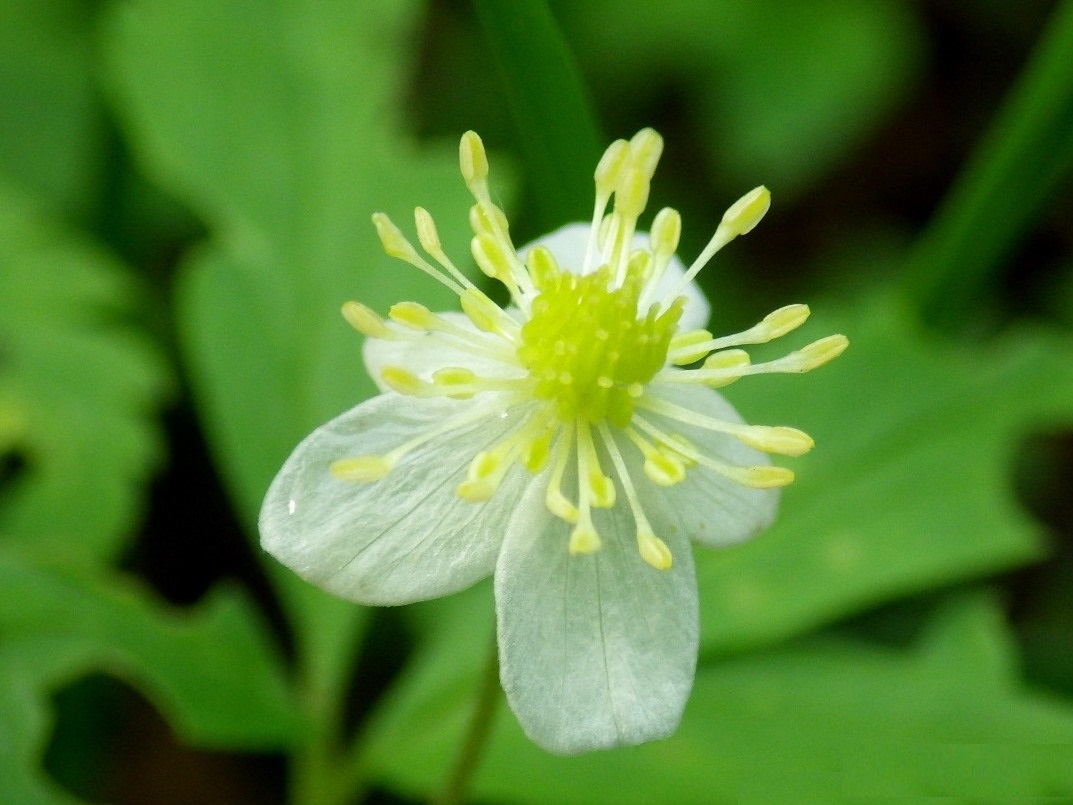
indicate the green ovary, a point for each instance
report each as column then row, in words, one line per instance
column 588, row 350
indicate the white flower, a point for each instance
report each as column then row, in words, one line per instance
column 561, row 444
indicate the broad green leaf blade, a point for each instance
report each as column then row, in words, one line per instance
column 1016, row 169
column 828, row 716
column 51, row 128
column 555, row 123
column 209, row 670
column 78, row 387
column 278, row 123
column 286, row 153
column 29, row 668
column 910, row 484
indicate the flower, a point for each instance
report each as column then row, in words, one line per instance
column 563, row 443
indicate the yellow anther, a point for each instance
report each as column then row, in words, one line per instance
column 361, row 469
column 689, row 346
column 631, row 195
column 778, row 439
column 663, row 468
column 559, row 506
column 453, row 376
column 646, row 147
column 746, row 212
column 426, row 231
column 542, row 266
column 815, row 354
column 584, row 539
column 398, row 379
column 602, row 490
column 609, row 169
column 485, row 218
column 666, row 232
column 394, row 242
column 413, row 315
column 485, row 314
column 490, row 257
column 654, row 551
column 779, row 322
column 727, row 359
column 365, row 320
column 537, row 452
column 760, row 477
column 473, row 161
column 482, row 478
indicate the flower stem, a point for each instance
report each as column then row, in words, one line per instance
column 477, row 735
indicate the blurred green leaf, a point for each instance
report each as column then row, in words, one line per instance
column 786, row 90
column 51, row 128
column 837, row 718
column 1014, row 172
column 542, row 83
column 78, row 386
column 279, row 124
column 910, row 485
column 209, row 670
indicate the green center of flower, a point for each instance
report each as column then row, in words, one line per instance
column 588, row 349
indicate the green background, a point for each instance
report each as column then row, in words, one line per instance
column 185, row 192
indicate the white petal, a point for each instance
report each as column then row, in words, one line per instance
column 428, row 353
column 708, row 507
column 568, row 244
column 595, row 651
column 404, row 538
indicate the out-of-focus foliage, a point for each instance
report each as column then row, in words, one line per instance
column 281, row 126
column 59, row 620
column 833, row 716
column 77, row 387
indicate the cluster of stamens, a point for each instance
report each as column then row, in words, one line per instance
column 586, row 352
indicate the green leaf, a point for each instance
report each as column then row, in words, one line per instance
column 1014, row 172
column 785, row 90
column 910, row 484
column 826, row 718
column 51, row 128
column 554, row 120
column 78, row 386
column 209, row 670
column 279, row 124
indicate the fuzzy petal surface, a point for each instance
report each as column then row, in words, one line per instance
column 710, row 508
column 595, row 651
column 407, row 537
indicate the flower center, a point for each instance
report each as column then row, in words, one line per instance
column 586, row 347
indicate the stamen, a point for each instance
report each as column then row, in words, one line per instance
column 430, row 242
column 553, row 498
column 653, row 550
column 805, row 359
column 770, row 439
column 591, row 477
column 759, row 477
column 661, row 466
column 663, row 238
column 418, row 317
column 374, row 467
column 366, row 321
column 743, row 215
column 473, row 161
column 774, row 325
column 607, row 175
column 396, row 245
column 594, row 489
